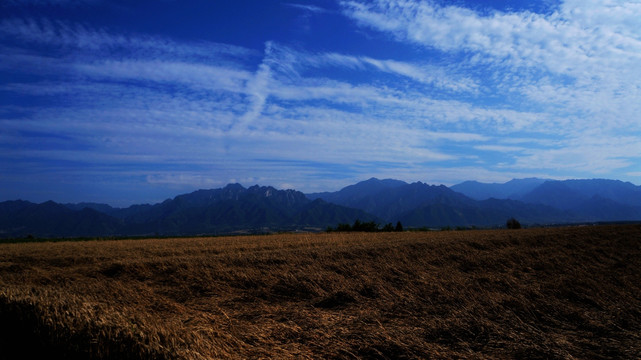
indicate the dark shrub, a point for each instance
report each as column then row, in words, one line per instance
column 513, row 224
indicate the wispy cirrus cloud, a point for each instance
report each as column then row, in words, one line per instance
column 310, row 8
column 76, row 36
column 580, row 56
column 576, row 66
column 129, row 104
column 596, row 154
column 293, row 61
column 580, row 32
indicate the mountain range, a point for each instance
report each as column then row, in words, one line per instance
column 219, row 211
column 235, row 209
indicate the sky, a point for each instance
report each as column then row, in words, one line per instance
column 124, row 102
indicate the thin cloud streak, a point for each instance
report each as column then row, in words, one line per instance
column 80, row 37
column 310, row 8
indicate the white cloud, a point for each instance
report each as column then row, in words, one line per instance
column 577, row 67
column 292, row 61
column 190, row 178
column 258, row 89
column 208, row 77
column 499, row 148
column 556, row 41
column 583, row 58
column 310, row 8
column 597, row 154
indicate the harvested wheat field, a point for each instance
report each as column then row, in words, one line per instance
column 563, row 293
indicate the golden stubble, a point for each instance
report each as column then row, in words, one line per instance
column 548, row 293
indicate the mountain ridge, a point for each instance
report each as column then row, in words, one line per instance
column 234, row 208
column 215, row 211
column 512, row 189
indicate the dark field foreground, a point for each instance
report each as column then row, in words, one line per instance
column 539, row 293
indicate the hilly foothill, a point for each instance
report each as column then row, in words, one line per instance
column 264, row 209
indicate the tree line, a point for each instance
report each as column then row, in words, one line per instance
column 369, row 226
column 372, row 226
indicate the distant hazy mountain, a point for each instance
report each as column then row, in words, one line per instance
column 566, row 194
column 485, row 213
column 354, row 193
column 556, row 194
column 615, row 190
column 532, row 201
column 103, row 208
column 598, row 208
column 391, row 203
column 513, row 189
column 386, row 199
column 419, row 204
column 590, row 200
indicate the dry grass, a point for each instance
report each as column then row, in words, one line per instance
column 537, row 293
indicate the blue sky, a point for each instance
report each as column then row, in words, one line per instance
column 136, row 101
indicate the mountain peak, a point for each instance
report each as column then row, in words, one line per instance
column 234, row 186
column 388, row 182
column 513, row 189
column 266, row 191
